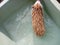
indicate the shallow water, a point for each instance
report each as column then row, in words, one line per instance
column 17, row 29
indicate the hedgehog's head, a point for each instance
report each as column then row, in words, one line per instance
column 37, row 5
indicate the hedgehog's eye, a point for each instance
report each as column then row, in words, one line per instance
column 32, row 6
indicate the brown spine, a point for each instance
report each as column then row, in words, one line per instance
column 37, row 20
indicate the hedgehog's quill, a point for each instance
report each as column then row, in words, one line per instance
column 37, row 19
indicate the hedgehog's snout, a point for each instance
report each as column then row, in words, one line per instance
column 36, row 6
